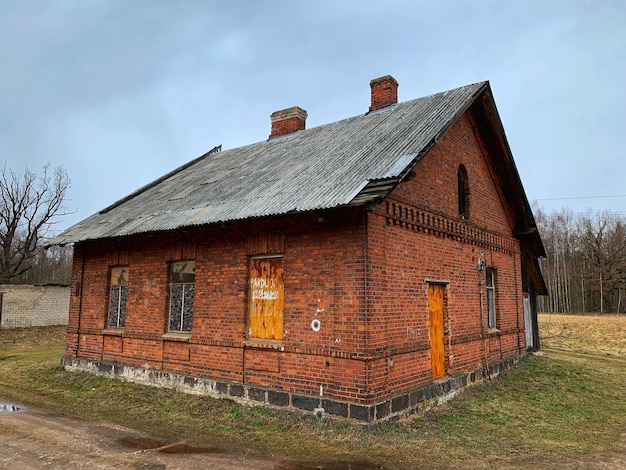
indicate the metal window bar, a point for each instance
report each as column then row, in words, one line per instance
column 182, row 308
column 117, row 307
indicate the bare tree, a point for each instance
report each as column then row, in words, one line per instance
column 29, row 207
column 558, row 234
column 585, row 268
column 603, row 241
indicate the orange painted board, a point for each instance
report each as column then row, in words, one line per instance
column 266, row 298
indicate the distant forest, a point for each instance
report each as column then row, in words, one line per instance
column 585, row 267
column 49, row 266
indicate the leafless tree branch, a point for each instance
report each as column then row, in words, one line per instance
column 29, row 206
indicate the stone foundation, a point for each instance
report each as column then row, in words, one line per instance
column 397, row 407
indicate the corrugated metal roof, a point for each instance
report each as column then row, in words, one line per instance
column 349, row 162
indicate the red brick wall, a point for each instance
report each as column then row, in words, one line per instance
column 417, row 236
column 321, row 282
column 364, row 276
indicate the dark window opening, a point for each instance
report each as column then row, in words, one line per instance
column 463, row 192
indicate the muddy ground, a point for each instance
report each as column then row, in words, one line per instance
column 34, row 440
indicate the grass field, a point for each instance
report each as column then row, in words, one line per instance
column 595, row 334
column 565, row 409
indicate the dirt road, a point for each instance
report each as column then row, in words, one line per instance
column 35, row 440
column 39, row 440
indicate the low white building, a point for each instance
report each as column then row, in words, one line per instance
column 23, row 306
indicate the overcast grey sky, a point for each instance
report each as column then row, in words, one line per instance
column 119, row 92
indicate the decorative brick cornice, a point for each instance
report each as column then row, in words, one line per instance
column 420, row 220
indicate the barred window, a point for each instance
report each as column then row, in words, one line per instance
column 182, row 287
column 118, row 295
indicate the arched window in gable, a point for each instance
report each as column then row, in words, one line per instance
column 463, row 192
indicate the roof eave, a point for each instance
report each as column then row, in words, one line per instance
column 490, row 125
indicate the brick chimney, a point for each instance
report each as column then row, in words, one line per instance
column 288, row 121
column 384, row 92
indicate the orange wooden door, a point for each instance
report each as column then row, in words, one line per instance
column 435, row 310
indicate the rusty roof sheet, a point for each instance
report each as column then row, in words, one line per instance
column 349, row 162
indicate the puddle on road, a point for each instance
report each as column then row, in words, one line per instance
column 347, row 465
column 165, row 447
column 187, row 449
column 8, row 408
column 145, row 443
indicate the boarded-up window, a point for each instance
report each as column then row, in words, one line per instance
column 182, row 287
column 265, row 319
column 117, row 297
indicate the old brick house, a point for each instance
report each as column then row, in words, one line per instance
column 361, row 268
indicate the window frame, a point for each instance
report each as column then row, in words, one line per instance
column 491, row 274
column 118, row 281
column 186, row 296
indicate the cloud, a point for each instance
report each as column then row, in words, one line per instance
column 119, row 92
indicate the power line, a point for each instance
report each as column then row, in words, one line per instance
column 584, row 214
column 580, row 197
column 578, row 215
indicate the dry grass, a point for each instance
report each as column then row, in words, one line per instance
column 592, row 334
column 563, row 410
column 28, row 337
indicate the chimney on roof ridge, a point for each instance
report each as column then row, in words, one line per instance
column 288, row 121
column 384, row 92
